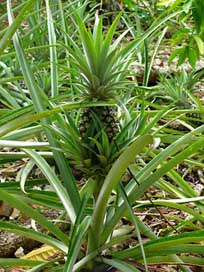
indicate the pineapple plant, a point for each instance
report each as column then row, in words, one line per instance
column 93, row 140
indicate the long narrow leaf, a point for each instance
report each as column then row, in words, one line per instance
column 147, row 170
column 19, row 144
column 162, row 243
column 5, row 40
column 24, row 119
column 109, row 37
column 112, row 180
column 54, row 181
column 120, row 265
column 14, row 262
column 53, row 52
column 39, row 98
column 191, row 260
column 15, row 202
column 87, row 41
column 132, row 216
column 38, row 236
column 74, row 250
column 41, row 103
column 178, row 206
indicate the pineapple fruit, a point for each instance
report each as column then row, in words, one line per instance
column 108, row 121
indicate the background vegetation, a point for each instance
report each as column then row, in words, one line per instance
column 105, row 101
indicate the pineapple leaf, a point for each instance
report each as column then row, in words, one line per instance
column 72, row 127
column 134, row 45
column 119, row 39
column 98, row 145
column 87, row 40
column 77, row 57
column 109, row 37
column 98, row 35
column 105, row 144
column 107, row 65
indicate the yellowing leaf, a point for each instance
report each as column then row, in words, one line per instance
column 41, row 254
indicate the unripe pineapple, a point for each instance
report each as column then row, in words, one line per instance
column 107, row 121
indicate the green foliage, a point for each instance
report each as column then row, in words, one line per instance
column 189, row 37
column 68, row 66
column 178, row 89
column 197, row 7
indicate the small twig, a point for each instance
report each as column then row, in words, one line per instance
column 149, row 199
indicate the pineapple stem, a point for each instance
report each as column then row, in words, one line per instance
column 91, row 241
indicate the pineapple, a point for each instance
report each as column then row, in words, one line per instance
column 108, row 121
column 102, row 67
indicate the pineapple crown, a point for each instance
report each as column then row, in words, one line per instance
column 100, row 61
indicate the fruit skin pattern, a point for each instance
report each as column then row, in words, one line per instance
column 106, row 118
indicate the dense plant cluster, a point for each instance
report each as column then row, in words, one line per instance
column 115, row 139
